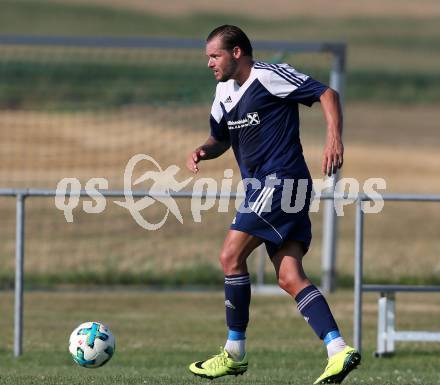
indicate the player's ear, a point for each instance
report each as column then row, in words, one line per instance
column 237, row 52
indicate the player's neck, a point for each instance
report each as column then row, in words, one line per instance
column 244, row 71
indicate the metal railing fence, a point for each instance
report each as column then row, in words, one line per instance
column 359, row 287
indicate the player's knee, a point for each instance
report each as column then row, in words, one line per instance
column 287, row 283
column 229, row 260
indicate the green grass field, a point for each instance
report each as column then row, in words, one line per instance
column 159, row 334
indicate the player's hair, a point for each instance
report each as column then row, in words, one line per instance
column 232, row 36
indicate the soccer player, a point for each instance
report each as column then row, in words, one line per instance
column 255, row 111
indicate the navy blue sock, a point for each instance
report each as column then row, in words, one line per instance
column 237, row 301
column 315, row 310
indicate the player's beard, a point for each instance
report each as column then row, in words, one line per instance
column 229, row 71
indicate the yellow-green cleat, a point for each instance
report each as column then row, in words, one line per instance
column 339, row 366
column 220, row 365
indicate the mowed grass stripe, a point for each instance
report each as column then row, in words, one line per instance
column 48, row 17
column 42, row 85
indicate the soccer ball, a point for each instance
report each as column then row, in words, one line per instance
column 91, row 344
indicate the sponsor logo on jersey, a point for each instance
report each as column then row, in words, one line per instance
column 228, row 100
column 252, row 119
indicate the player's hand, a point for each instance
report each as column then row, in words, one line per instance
column 333, row 157
column 195, row 157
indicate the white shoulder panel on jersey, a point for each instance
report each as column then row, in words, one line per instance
column 216, row 110
column 229, row 93
column 279, row 79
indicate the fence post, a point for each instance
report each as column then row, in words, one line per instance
column 261, row 265
column 19, row 264
column 330, row 224
column 359, row 241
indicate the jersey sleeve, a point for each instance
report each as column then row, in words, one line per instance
column 287, row 83
column 217, row 121
column 308, row 92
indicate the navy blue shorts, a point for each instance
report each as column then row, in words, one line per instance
column 273, row 217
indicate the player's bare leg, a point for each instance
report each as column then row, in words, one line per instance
column 236, row 249
column 288, row 268
column 315, row 310
column 232, row 360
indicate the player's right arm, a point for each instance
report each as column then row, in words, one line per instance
column 219, row 141
column 211, row 149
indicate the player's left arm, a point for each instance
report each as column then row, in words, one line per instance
column 333, row 156
column 289, row 84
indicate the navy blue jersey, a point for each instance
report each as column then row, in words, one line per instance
column 260, row 119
